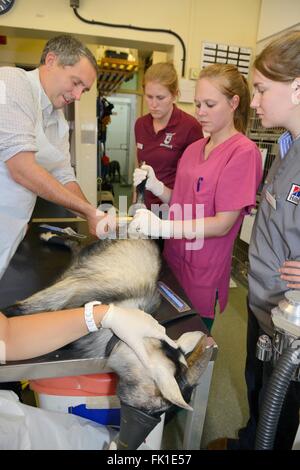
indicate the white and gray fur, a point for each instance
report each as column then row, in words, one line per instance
column 125, row 272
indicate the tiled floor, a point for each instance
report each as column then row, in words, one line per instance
column 227, row 406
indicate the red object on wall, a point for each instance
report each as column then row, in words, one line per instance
column 3, row 40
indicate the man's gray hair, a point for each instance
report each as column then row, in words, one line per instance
column 68, row 50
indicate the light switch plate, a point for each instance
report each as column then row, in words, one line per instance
column 194, row 73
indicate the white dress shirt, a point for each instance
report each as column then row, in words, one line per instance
column 28, row 123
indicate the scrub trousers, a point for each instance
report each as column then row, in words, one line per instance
column 257, row 374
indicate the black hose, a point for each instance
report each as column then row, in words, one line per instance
column 274, row 398
column 138, row 28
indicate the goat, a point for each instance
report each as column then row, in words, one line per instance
column 125, row 272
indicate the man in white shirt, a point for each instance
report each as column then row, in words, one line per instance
column 34, row 149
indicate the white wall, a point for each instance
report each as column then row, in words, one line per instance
column 231, row 21
column 23, row 51
column 276, row 16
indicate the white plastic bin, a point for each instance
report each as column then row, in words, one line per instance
column 90, row 396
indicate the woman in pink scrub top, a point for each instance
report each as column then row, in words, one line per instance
column 219, row 175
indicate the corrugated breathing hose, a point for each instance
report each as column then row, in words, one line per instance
column 274, row 398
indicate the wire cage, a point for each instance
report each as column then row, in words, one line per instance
column 264, row 139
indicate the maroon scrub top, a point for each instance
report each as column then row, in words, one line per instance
column 162, row 150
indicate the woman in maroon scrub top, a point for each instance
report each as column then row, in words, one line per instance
column 220, row 174
column 163, row 134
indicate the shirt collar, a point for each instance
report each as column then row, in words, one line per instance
column 173, row 121
column 285, row 142
column 50, row 114
column 175, row 116
column 46, row 104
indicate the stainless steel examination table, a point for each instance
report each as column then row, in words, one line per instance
column 35, row 265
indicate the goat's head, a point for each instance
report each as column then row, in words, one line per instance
column 174, row 374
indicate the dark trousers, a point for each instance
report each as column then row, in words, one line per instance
column 257, row 374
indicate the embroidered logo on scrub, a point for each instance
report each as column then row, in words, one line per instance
column 168, row 138
column 294, row 194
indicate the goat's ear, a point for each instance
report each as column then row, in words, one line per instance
column 169, row 387
column 188, row 341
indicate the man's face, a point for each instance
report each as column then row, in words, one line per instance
column 64, row 84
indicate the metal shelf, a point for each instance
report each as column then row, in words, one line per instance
column 113, row 72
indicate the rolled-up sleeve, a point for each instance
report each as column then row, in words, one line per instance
column 18, row 114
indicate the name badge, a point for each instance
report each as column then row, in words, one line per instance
column 271, row 199
column 140, row 146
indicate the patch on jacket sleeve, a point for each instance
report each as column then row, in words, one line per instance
column 294, row 194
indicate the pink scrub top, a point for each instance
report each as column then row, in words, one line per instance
column 227, row 181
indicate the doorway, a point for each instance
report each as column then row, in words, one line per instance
column 120, row 140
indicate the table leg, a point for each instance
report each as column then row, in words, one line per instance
column 195, row 419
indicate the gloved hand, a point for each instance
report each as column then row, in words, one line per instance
column 131, row 326
column 145, row 223
column 152, row 184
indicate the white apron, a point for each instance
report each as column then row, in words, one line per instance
column 17, row 203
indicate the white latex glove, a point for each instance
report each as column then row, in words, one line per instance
column 152, row 184
column 131, row 326
column 146, row 224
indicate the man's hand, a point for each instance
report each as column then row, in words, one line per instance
column 132, row 326
column 152, row 183
column 290, row 272
column 94, row 218
column 106, row 223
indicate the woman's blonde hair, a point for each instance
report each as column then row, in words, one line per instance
column 280, row 60
column 163, row 73
column 231, row 82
